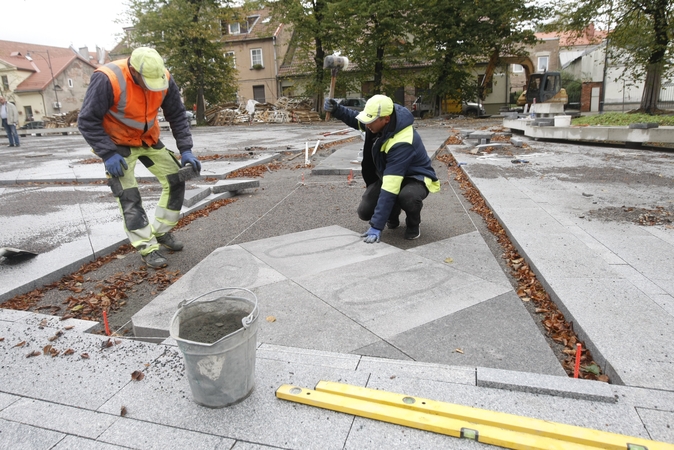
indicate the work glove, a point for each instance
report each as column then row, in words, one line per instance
column 114, row 164
column 372, row 236
column 188, row 158
column 330, row 105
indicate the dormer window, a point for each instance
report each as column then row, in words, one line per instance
column 234, row 28
column 241, row 27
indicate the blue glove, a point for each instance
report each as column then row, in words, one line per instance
column 188, row 158
column 330, row 105
column 371, row 236
column 114, row 164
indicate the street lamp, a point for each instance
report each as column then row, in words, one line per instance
column 48, row 61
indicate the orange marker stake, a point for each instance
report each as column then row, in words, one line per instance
column 349, row 179
column 576, row 369
column 105, row 322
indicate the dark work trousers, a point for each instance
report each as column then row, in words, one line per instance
column 410, row 199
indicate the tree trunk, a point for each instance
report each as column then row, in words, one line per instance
column 649, row 98
column 378, row 70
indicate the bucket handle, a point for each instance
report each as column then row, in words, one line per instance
column 246, row 321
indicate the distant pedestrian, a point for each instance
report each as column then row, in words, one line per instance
column 10, row 120
column 396, row 168
column 119, row 120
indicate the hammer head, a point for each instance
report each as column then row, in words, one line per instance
column 336, row 62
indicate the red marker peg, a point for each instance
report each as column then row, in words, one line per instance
column 576, row 369
column 105, row 322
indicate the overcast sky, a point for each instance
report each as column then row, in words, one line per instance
column 62, row 23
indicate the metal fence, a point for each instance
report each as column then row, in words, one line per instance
column 666, row 98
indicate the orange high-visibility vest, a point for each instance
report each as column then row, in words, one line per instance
column 134, row 108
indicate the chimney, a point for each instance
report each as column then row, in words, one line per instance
column 100, row 55
column 84, row 53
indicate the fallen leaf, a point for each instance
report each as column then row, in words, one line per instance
column 271, row 319
column 68, row 352
column 603, row 378
column 77, row 308
column 449, row 260
column 123, row 411
column 46, row 349
column 70, row 327
column 458, row 350
column 34, row 353
column 137, row 375
column 2, row 339
column 20, row 344
column 84, row 355
column 592, row 368
column 43, row 323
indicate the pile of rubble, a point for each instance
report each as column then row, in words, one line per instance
column 65, row 120
column 283, row 111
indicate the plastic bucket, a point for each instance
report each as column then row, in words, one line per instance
column 216, row 333
column 562, row 121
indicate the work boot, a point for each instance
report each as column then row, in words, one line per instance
column 392, row 224
column 155, row 260
column 168, row 241
column 412, row 232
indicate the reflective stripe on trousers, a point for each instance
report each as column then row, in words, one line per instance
column 163, row 165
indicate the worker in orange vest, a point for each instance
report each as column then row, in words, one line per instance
column 119, row 120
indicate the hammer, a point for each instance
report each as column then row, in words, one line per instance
column 334, row 62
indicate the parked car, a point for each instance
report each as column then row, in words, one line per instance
column 352, row 103
column 32, row 125
column 421, row 108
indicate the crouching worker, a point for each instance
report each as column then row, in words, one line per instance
column 396, row 168
column 118, row 120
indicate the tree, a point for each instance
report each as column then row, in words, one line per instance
column 187, row 34
column 311, row 33
column 375, row 35
column 456, row 35
column 641, row 35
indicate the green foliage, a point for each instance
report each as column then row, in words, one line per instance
column 622, row 119
column 187, row 34
column 641, row 37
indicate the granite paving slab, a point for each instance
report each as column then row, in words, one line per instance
column 260, row 419
column 395, row 293
column 497, row 332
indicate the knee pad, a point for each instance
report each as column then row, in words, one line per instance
column 176, row 192
column 135, row 217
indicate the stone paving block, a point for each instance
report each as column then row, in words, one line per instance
column 306, row 321
column 660, row 424
column 601, row 310
column 560, row 386
column 381, row 367
column 150, row 436
column 383, row 294
column 481, row 135
column 19, row 436
column 194, row 196
column 310, row 252
column 516, row 142
column 304, row 356
column 479, row 336
column 234, row 185
column 57, row 374
column 7, row 399
column 164, row 397
column 60, row 418
column 76, row 442
column 467, row 253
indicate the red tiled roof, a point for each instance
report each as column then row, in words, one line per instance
column 14, row 54
column 588, row 37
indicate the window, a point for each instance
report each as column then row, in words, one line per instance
column 5, row 82
column 231, row 56
column 29, row 112
column 70, row 83
column 258, row 93
column 517, row 68
column 234, row 28
column 543, row 63
column 256, row 57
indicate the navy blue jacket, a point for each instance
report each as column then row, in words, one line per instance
column 392, row 155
